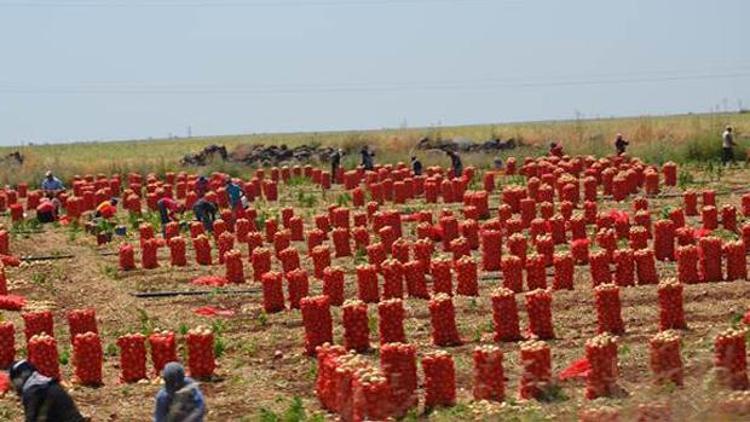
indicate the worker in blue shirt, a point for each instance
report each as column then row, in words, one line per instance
column 51, row 185
column 235, row 194
column 180, row 399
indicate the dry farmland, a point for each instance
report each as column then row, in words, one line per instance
column 262, row 370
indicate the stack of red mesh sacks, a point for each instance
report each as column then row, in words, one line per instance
column 132, row 357
column 601, row 353
column 200, row 347
column 347, row 385
column 88, row 358
column 163, row 349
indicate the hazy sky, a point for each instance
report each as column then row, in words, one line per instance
column 108, row 69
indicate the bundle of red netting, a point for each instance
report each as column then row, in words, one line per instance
column 200, row 350
column 163, row 349
column 391, row 321
column 443, row 321
column 88, row 358
column 671, row 313
column 317, row 320
column 356, row 326
column 665, row 359
column 132, row 357
column 601, row 354
column 489, row 378
column 536, row 370
column 42, row 353
column 730, row 359
column 439, row 379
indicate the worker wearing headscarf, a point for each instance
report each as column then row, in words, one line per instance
column 180, row 400
column 335, row 163
column 205, row 212
column 621, row 144
column 42, row 397
column 456, row 164
column 368, row 161
column 416, row 165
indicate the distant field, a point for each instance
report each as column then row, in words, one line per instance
column 681, row 138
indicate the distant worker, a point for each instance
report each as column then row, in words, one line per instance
column 621, row 144
column 51, row 185
column 456, row 164
column 46, row 211
column 235, row 193
column 201, row 186
column 180, row 400
column 368, row 161
column 42, row 397
column 205, row 212
column 498, row 163
column 728, row 144
column 416, row 165
column 335, row 164
column 106, row 209
column 556, row 149
column 168, row 210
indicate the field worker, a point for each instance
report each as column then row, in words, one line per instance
column 456, row 164
column 235, row 194
column 43, row 399
column 335, row 164
column 368, row 161
column 205, row 212
column 106, row 209
column 46, row 212
column 168, row 210
column 498, row 163
column 201, row 186
column 620, row 144
column 180, row 400
column 416, row 165
column 51, row 185
column 556, row 149
column 728, row 144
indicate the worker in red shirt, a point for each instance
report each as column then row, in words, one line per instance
column 168, row 210
column 106, row 209
column 556, row 149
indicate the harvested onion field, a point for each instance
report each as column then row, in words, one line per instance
column 597, row 257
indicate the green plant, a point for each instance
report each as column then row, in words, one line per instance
column 39, row 278
column 295, row 412
column 262, row 318
column 685, row 178
column 220, row 346
column 64, row 357
column 306, row 200
column 360, row 256
column 312, row 372
column 344, row 199
column 147, row 324
column 74, row 229
column 110, row 271
column 297, row 181
column 553, row 393
column 111, row 350
column 250, row 348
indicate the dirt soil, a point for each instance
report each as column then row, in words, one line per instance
column 262, row 365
